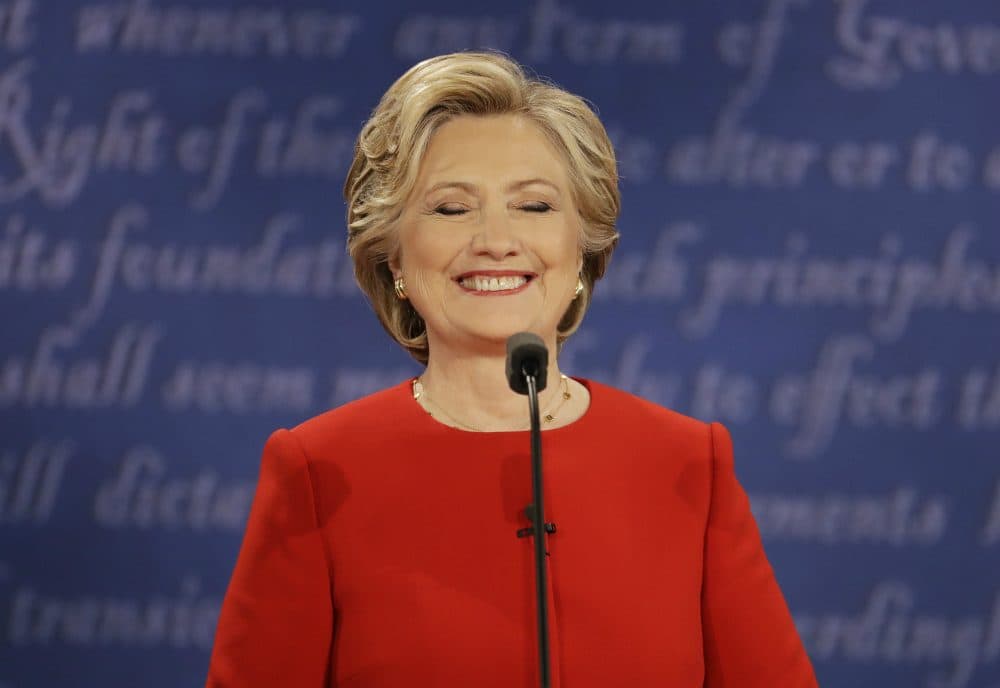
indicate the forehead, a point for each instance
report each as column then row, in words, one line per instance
column 486, row 148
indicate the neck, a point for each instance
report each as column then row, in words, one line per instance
column 472, row 388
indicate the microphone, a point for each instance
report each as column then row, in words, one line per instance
column 527, row 368
column 526, row 355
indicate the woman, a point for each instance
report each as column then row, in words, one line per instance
column 381, row 549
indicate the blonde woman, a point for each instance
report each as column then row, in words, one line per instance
column 381, row 549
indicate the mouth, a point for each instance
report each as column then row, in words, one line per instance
column 494, row 282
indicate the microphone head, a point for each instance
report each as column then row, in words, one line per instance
column 526, row 355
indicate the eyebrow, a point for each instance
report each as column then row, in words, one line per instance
column 513, row 186
column 529, row 182
column 464, row 186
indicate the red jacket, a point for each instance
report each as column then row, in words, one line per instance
column 381, row 550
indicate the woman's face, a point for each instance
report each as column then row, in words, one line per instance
column 489, row 240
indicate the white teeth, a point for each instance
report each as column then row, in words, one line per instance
column 493, row 283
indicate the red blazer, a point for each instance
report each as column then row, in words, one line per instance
column 381, row 550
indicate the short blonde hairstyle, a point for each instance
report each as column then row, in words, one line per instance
column 392, row 143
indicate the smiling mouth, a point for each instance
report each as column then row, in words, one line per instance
column 494, row 284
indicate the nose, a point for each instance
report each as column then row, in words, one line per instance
column 496, row 237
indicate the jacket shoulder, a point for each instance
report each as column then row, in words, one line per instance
column 631, row 409
column 361, row 417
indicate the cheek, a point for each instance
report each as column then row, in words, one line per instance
column 563, row 253
column 418, row 249
column 425, row 258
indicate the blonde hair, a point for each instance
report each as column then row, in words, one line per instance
column 392, row 143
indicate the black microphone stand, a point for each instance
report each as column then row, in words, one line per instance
column 527, row 365
column 536, row 511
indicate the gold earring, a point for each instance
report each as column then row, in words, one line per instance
column 579, row 287
column 400, row 287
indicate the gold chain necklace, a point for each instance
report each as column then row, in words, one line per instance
column 418, row 393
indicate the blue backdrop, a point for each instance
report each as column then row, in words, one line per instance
column 810, row 253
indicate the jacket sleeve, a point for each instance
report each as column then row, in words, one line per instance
column 750, row 640
column 276, row 622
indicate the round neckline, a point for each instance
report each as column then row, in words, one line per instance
column 407, row 387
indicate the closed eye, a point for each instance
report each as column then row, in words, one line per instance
column 536, row 207
column 451, row 209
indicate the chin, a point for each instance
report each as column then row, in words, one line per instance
column 501, row 329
